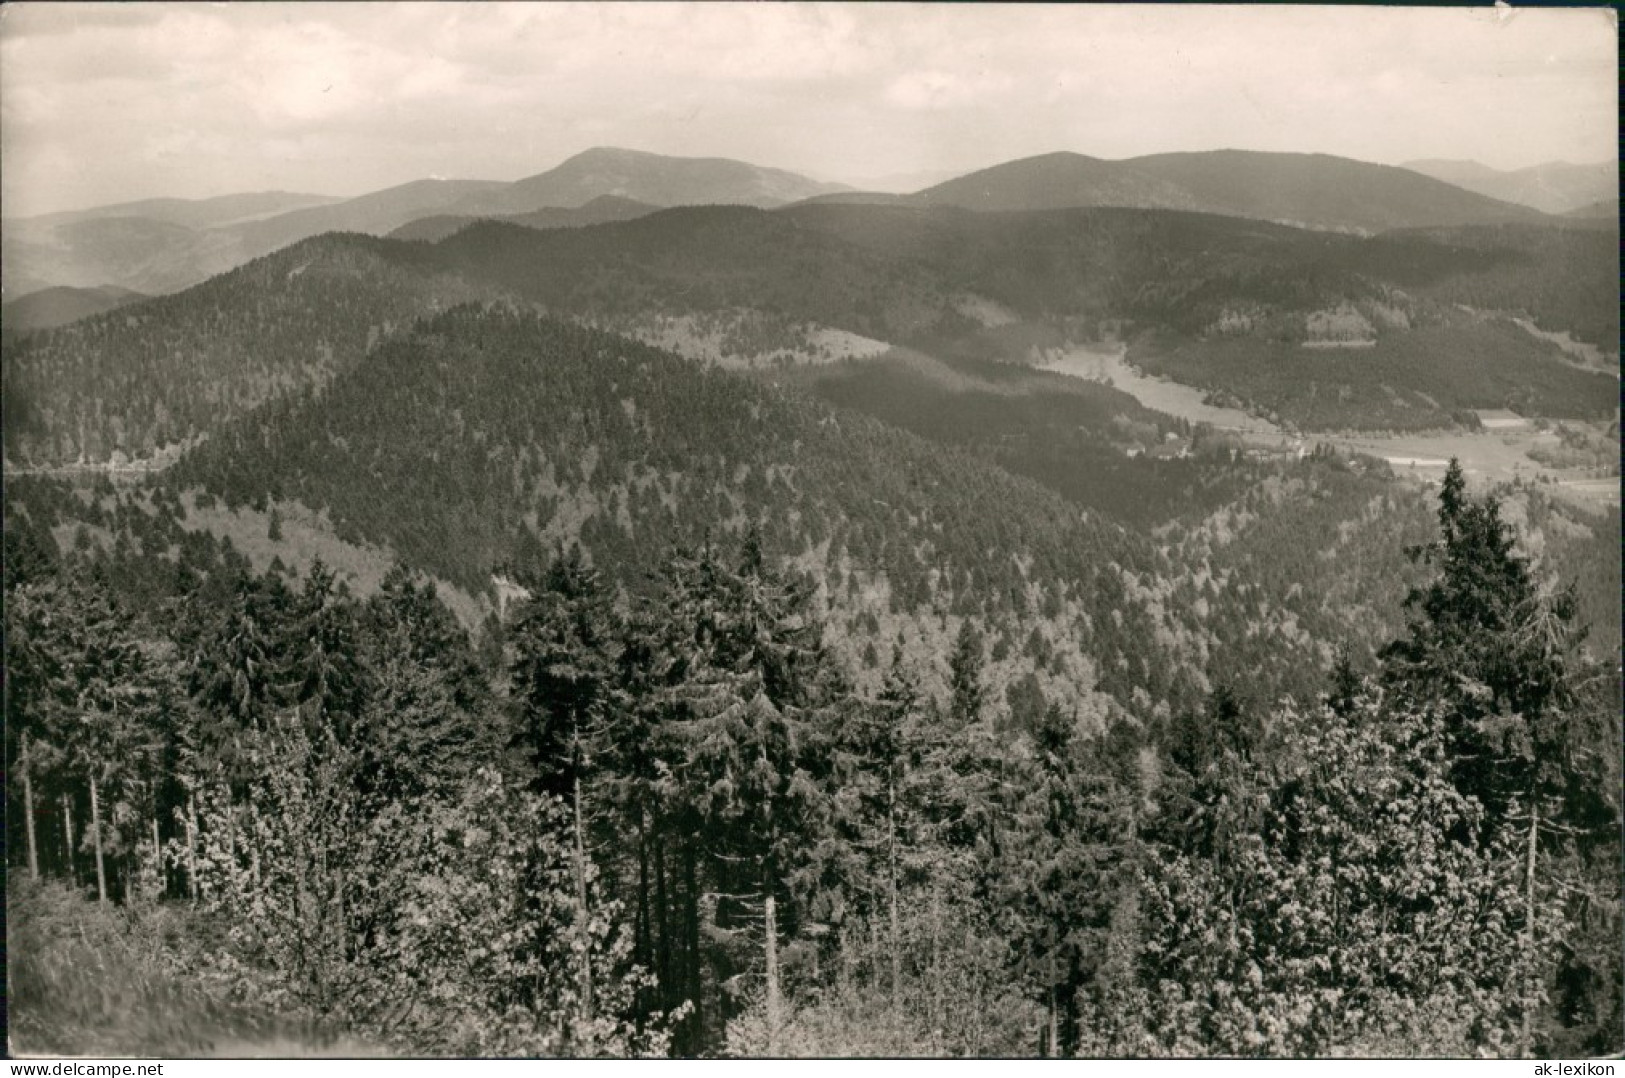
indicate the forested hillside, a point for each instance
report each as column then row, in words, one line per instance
column 169, row 370
column 638, row 606
column 643, row 448
column 857, row 689
column 668, row 821
column 959, row 284
column 657, row 179
column 1419, row 380
column 907, row 651
column 1323, row 331
column 1552, row 186
column 1557, row 276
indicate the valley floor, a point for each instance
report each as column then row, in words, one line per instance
column 1526, row 449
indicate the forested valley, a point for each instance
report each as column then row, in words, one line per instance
column 710, row 634
column 796, row 734
column 1221, row 303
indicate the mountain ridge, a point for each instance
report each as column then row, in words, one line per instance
column 92, row 248
column 601, row 210
column 210, row 211
column 822, row 282
column 57, row 306
column 1317, row 191
column 657, row 179
column 188, row 242
column 1555, row 187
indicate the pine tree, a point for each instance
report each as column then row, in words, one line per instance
column 877, row 841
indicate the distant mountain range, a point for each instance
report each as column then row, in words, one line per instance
column 215, row 212
column 167, row 245
column 601, row 210
column 50, row 307
column 647, row 177
column 1304, row 190
column 1605, row 210
column 163, row 245
column 374, row 214
column 1553, row 187
column 151, row 246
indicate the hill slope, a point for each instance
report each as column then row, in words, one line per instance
column 647, row 177
column 51, row 307
column 374, row 213
column 819, row 282
column 485, row 436
column 154, row 245
column 1309, row 190
column 1552, row 187
column 1605, row 210
column 169, row 370
column 601, row 210
column 176, row 246
column 165, row 245
column 192, row 213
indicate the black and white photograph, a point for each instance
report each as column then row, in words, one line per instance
column 811, row 530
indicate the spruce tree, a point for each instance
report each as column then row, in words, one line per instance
column 965, row 676
column 563, row 688
column 1486, row 646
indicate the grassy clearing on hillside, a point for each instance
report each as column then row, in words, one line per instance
column 302, row 538
column 135, row 980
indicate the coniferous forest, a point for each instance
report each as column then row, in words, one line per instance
column 664, row 818
column 899, row 706
column 1088, row 590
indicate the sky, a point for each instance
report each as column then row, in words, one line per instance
column 104, row 103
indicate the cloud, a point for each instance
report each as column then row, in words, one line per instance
column 19, row 21
column 936, row 90
column 100, row 102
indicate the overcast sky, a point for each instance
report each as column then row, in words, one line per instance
column 105, row 103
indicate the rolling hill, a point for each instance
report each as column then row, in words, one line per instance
column 170, row 245
column 1556, row 187
column 375, row 213
column 165, row 245
column 169, row 370
column 153, row 245
column 770, row 287
column 646, row 177
column 1606, row 211
column 815, row 553
column 142, row 254
column 213, row 212
column 1052, row 181
column 484, row 436
column 1306, row 190
column 51, row 307
column 603, row 209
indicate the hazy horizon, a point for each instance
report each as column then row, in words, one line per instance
column 197, row 101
